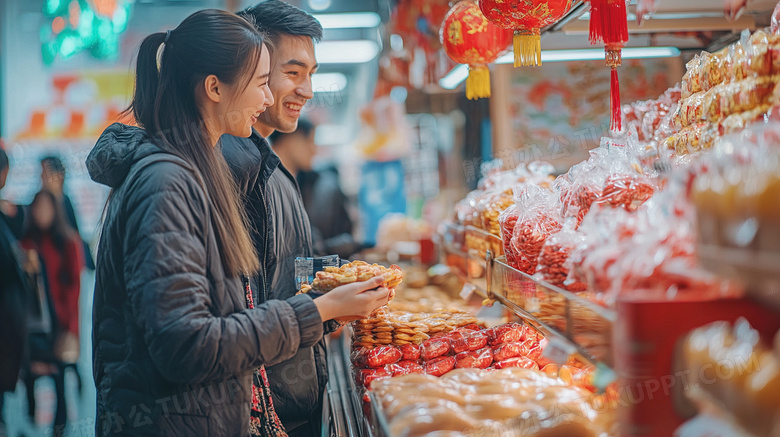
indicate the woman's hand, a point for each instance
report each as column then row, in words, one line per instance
column 356, row 300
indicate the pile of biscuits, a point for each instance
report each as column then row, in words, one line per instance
column 398, row 328
column 356, row 271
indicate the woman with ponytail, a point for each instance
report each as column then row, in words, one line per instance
column 178, row 346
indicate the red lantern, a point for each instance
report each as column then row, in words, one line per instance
column 609, row 24
column 469, row 38
column 526, row 18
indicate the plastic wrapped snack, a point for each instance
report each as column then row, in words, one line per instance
column 627, row 190
column 512, row 401
column 747, row 378
column 584, row 189
column 551, row 267
column 356, row 271
column 507, row 220
column 690, row 80
column 376, row 357
column 476, row 359
column 439, row 366
column 490, row 208
column 538, row 218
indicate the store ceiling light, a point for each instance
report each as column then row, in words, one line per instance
column 347, row 51
column 459, row 73
column 349, row 20
column 328, row 82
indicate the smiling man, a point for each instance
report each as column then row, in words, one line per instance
column 280, row 226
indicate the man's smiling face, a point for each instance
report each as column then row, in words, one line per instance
column 292, row 65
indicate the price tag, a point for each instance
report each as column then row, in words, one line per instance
column 558, row 351
column 467, row 291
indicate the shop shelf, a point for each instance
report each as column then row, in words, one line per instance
column 758, row 270
column 556, row 312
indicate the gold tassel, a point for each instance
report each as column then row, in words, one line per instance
column 527, row 47
column 478, row 82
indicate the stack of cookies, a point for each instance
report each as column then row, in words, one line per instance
column 398, row 328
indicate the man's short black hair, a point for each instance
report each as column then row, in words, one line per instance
column 275, row 18
column 53, row 164
column 305, row 128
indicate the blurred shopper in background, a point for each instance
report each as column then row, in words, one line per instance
column 325, row 202
column 50, row 237
column 13, row 304
column 12, row 215
column 53, row 174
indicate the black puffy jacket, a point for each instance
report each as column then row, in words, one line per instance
column 281, row 232
column 174, row 344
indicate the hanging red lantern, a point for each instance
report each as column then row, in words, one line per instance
column 609, row 24
column 469, row 38
column 526, row 18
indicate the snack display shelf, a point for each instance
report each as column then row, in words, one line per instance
column 756, row 269
column 577, row 325
column 345, row 403
column 555, row 312
column 584, row 323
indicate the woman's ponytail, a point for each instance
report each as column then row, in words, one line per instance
column 147, row 81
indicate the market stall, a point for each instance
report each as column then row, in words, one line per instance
column 637, row 291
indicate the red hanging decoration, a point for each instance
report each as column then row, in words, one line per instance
column 609, row 25
column 526, row 18
column 469, row 38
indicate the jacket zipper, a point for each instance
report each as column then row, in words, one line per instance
column 265, row 243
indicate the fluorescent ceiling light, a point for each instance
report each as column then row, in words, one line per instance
column 460, row 72
column 349, row 20
column 454, row 77
column 598, row 54
column 328, row 82
column 346, row 52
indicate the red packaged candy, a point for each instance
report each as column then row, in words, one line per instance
column 472, row 327
column 458, row 342
column 475, row 339
column 410, row 352
column 434, row 347
column 365, row 376
column 404, row 368
column 517, row 362
column 439, row 366
column 479, row 359
column 507, row 350
column 508, row 333
column 379, row 357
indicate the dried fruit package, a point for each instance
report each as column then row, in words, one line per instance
column 538, row 218
column 586, row 181
column 552, row 266
column 507, row 221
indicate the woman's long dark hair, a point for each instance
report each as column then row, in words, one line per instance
column 60, row 231
column 165, row 103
